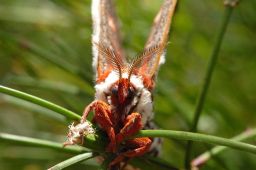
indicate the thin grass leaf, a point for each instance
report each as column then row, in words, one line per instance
column 73, row 160
column 148, row 133
column 27, row 141
column 207, row 80
column 203, row 158
column 199, row 138
column 39, row 101
column 97, row 142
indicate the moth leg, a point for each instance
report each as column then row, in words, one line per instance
column 102, row 117
column 136, row 147
column 132, row 124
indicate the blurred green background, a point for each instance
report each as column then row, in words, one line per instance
column 45, row 50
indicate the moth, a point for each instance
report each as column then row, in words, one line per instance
column 123, row 102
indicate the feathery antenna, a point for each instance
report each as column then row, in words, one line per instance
column 112, row 58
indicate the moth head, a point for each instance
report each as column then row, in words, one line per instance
column 122, row 92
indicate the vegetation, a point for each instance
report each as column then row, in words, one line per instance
column 207, row 85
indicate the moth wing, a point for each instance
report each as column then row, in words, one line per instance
column 157, row 40
column 105, row 34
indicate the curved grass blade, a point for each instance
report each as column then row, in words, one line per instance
column 204, row 157
column 207, row 80
column 39, row 101
column 27, row 141
column 73, row 160
column 199, row 138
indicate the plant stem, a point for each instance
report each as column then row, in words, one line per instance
column 207, row 80
column 95, row 143
column 73, row 160
column 39, row 101
column 171, row 134
column 92, row 142
column 201, row 159
column 27, row 141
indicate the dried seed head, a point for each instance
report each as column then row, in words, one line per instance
column 77, row 132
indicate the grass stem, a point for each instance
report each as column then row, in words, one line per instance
column 207, row 80
column 204, row 157
column 98, row 144
column 40, row 102
column 27, row 141
column 181, row 135
column 73, row 160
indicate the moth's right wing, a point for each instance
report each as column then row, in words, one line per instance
column 106, row 34
column 160, row 30
column 156, row 43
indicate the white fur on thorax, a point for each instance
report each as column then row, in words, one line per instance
column 144, row 105
column 96, row 31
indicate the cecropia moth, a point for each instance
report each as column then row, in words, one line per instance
column 123, row 102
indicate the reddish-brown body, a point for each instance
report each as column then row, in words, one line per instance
column 118, row 125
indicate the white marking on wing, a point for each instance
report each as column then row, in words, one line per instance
column 96, row 31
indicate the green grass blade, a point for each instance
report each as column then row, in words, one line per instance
column 97, row 143
column 39, row 101
column 207, row 80
column 181, row 135
column 203, row 158
column 73, row 160
column 27, row 141
column 92, row 141
column 149, row 133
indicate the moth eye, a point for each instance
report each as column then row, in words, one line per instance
column 131, row 92
column 114, row 90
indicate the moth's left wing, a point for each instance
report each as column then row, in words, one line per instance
column 106, row 34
